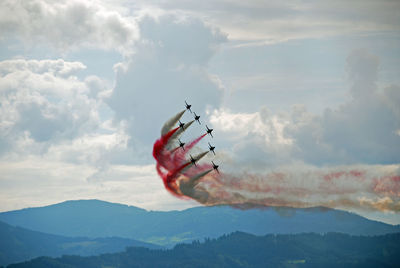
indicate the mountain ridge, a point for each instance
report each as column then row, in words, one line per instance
column 96, row 218
column 19, row 244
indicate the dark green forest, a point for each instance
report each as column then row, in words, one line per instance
column 245, row 250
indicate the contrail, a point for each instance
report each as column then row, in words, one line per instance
column 171, row 123
column 179, row 132
column 373, row 188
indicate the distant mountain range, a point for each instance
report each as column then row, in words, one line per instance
column 18, row 244
column 245, row 250
column 94, row 218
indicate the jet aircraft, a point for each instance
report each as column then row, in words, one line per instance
column 211, row 148
column 193, row 160
column 215, row 167
column 181, row 144
column 209, row 130
column 197, row 117
column 181, row 125
column 188, row 107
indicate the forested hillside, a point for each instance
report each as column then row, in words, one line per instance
column 244, row 250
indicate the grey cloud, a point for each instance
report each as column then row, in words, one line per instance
column 364, row 129
column 275, row 21
column 258, row 9
column 96, row 86
column 57, row 67
column 392, row 98
column 41, row 127
column 180, row 41
column 66, row 24
column 169, row 66
column 363, row 73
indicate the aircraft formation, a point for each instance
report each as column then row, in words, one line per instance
column 209, row 131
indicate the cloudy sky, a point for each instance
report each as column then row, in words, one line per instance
column 86, row 85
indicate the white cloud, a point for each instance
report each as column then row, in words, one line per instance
column 93, row 149
column 56, row 67
column 48, row 111
column 43, row 101
column 260, row 123
column 66, row 24
column 55, row 145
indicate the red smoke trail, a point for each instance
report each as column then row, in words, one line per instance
column 365, row 188
column 171, row 164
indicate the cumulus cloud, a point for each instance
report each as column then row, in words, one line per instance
column 43, row 103
column 66, row 24
column 365, row 129
column 51, row 119
column 168, row 67
column 255, row 140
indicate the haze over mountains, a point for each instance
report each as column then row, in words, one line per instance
column 95, row 218
column 19, row 244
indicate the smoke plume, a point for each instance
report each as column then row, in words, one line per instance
column 375, row 188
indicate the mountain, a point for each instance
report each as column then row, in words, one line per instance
column 245, row 250
column 94, row 218
column 18, row 244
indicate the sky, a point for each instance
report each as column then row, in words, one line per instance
column 86, row 86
